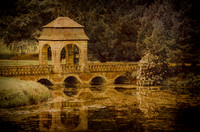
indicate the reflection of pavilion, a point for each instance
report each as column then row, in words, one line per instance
column 145, row 103
column 64, row 120
column 73, row 119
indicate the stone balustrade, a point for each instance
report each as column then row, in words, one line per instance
column 112, row 66
column 25, row 70
column 92, row 67
column 70, row 68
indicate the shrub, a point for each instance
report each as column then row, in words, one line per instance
column 14, row 92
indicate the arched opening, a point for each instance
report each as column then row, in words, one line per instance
column 71, row 82
column 46, row 55
column 45, row 82
column 71, row 86
column 63, row 56
column 122, row 80
column 70, row 55
column 98, row 81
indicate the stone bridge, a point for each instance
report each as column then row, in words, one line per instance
column 64, row 43
column 110, row 72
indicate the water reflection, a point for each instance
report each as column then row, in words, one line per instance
column 110, row 108
column 98, row 88
column 71, row 89
column 73, row 120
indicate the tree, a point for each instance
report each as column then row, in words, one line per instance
column 118, row 31
column 22, row 30
column 161, row 31
column 162, row 39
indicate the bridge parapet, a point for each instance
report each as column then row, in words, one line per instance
column 70, row 68
column 112, row 66
column 25, row 70
column 44, row 70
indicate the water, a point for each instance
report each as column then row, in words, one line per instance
column 108, row 108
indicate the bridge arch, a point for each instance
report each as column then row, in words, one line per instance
column 45, row 82
column 121, row 80
column 98, row 80
column 45, row 54
column 70, row 54
column 71, row 75
column 71, row 81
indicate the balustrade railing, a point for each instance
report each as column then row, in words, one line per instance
column 25, row 70
column 92, row 67
column 70, row 68
column 112, row 66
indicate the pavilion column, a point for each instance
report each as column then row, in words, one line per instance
column 70, row 54
column 43, row 56
column 40, row 58
column 83, row 58
column 56, row 60
column 66, row 55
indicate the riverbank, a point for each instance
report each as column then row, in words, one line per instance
column 18, row 62
column 15, row 93
column 15, row 56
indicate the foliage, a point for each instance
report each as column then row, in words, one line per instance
column 14, row 93
column 185, row 83
column 190, row 80
column 108, row 24
column 161, row 31
column 193, row 81
column 120, row 30
column 151, row 71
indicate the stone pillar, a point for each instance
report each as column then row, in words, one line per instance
column 83, row 57
column 56, row 60
column 70, row 54
column 66, row 55
column 40, row 57
column 43, row 55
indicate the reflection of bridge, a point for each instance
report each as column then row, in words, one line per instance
column 147, row 106
column 77, row 115
column 64, row 39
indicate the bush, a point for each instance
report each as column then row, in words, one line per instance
column 192, row 80
column 14, row 92
column 151, row 72
column 190, row 83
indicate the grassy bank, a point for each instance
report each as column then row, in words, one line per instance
column 26, row 57
column 14, row 92
column 18, row 62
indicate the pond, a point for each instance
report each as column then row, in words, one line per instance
column 108, row 108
